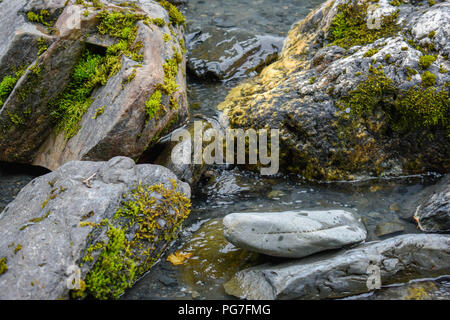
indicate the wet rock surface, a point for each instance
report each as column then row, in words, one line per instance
column 49, row 226
column 293, row 234
column 433, row 214
column 345, row 273
column 131, row 77
column 176, row 152
column 223, row 54
column 417, row 290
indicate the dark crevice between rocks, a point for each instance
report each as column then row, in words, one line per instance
column 8, row 168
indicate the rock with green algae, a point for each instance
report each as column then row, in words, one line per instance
column 48, row 117
column 362, row 115
column 109, row 219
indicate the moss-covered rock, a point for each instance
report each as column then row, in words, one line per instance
column 353, row 96
column 110, row 220
column 87, row 56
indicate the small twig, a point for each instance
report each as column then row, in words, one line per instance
column 87, row 181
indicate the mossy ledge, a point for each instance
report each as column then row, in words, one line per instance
column 350, row 28
column 149, row 217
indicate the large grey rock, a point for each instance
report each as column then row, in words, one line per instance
column 116, row 121
column 346, row 273
column 433, row 214
column 43, row 233
column 224, row 54
column 293, row 234
column 310, row 93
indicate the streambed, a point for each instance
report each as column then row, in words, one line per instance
column 384, row 204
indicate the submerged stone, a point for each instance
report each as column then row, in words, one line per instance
column 389, row 227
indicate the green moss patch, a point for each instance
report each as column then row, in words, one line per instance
column 3, row 266
column 122, row 26
column 370, row 52
column 175, row 16
column 8, row 83
column 115, row 270
column 420, row 107
column 425, row 61
column 153, row 104
column 158, row 22
column 396, row 3
column 168, row 87
column 91, row 71
column 98, row 112
column 43, row 17
column 428, row 79
column 349, row 26
column 155, row 214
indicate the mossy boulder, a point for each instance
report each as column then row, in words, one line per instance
column 360, row 90
column 80, row 57
column 109, row 220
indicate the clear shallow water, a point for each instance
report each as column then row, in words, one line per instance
column 259, row 16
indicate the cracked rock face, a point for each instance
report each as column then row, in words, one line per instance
column 345, row 273
column 41, row 44
column 43, row 233
column 293, row 234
